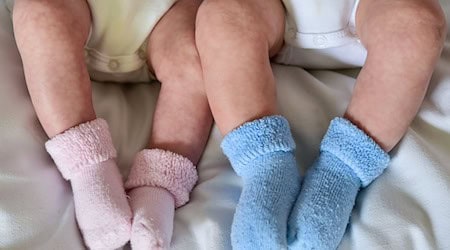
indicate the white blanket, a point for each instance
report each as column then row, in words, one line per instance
column 408, row 207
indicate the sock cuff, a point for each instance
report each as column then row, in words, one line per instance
column 356, row 149
column 81, row 146
column 259, row 137
column 164, row 169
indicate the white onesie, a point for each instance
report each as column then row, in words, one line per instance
column 116, row 49
column 321, row 34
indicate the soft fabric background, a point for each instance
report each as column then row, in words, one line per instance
column 408, row 207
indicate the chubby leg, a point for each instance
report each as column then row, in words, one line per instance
column 235, row 40
column 182, row 119
column 50, row 35
column 181, row 126
column 404, row 39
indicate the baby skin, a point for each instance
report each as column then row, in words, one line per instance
column 51, row 35
column 403, row 38
column 228, row 74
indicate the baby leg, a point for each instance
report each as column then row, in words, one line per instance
column 235, row 40
column 404, row 40
column 50, row 36
column 163, row 175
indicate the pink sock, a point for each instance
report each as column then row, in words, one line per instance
column 85, row 155
column 159, row 182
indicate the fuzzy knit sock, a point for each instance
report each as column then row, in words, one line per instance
column 262, row 154
column 85, row 155
column 348, row 159
column 159, row 182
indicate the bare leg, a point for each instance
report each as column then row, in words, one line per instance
column 235, row 40
column 404, row 39
column 182, row 119
column 50, row 36
column 181, row 125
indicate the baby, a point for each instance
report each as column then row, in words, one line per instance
column 64, row 43
column 235, row 40
column 229, row 77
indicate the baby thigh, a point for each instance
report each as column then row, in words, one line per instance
column 50, row 36
column 404, row 40
column 182, row 119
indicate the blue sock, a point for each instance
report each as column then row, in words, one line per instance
column 348, row 160
column 262, row 153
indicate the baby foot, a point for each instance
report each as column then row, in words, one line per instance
column 348, row 160
column 153, row 209
column 159, row 182
column 84, row 155
column 262, row 153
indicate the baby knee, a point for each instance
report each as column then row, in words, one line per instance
column 420, row 24
column 235, row 20
column 425, row 22
column 45, row 19
column 180, row 65
column 35, row 11
column 216, row 17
